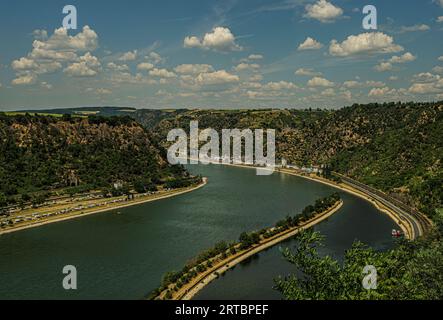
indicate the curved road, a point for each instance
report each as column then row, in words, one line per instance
column 420, row 224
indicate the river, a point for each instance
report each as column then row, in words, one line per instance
column 122, row 254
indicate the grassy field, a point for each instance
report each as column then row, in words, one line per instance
column 17, row 113
column 55, row 115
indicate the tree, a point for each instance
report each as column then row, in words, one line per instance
column 139, row 186
column 401, row 275
column 3, row 200
column 67, row 117
column 25, row 197
column 221, row 246
column 170, row 277
column 66, row 151
column 38, row 199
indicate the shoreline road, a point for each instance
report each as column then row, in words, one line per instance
column 420, row 224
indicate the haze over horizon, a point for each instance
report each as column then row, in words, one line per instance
column 219, row 54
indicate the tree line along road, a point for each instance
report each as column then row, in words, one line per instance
column 420, row 223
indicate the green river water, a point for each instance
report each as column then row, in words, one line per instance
column 123, row 254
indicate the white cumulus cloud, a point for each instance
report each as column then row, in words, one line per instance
column 162, row 73
column 351, row 84
column 310, row 44
column 320, row 82
column 307, row 72
column 154, row 57
column 117, row 67
column 387, row 65
column 425, row 88
column 426, row 83
column 280, row 85
column 193, row 69
column 364, row 43
column 323, row 11
column 255, row 57
column 128, row 56
column 425, row 77
column 378, row 92
column 24, row 64
column 438, row 69
column 145, row 66
column 26, row 79
column 88, row 66
column 192, row 42
column 219, row 39
column 217, row 77
column 49, row 52
column 87, row 40
column 247, row 67
column 383, row 66
column 407, row 57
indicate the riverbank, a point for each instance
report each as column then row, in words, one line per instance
column 404, row 225
column 109, row 207
column 188, row 291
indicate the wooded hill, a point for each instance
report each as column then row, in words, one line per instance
column 45, row 153
column 395, row 147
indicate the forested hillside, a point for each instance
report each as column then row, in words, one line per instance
column 44, row 153
column 396, row 147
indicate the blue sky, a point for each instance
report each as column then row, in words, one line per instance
column 219, row 54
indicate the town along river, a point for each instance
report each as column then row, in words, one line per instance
column 123, row 254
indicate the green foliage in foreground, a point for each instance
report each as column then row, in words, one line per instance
column 411, row 271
